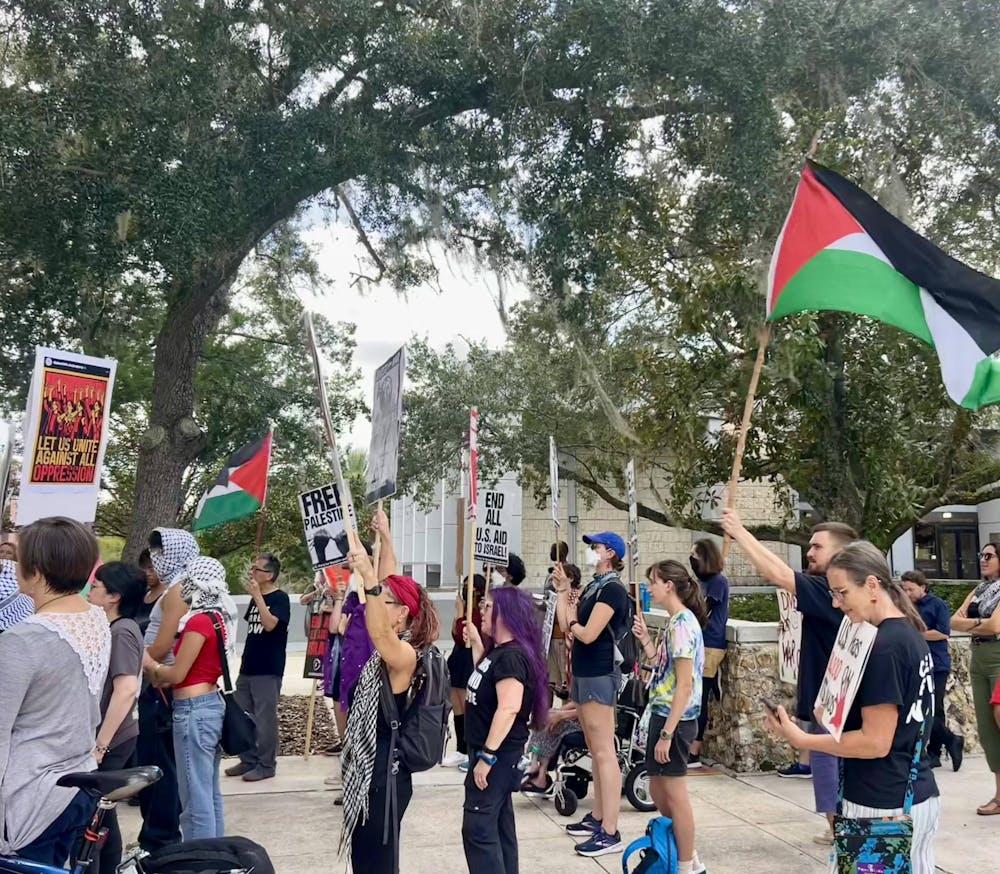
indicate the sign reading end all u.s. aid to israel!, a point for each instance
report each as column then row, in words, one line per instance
column 492, row 530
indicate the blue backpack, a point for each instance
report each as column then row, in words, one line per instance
column 657, row 847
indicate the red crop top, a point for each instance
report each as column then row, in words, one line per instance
column 206, row 668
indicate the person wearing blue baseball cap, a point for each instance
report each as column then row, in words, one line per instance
column 597, row 623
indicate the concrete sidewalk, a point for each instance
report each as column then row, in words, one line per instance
column 746, row 825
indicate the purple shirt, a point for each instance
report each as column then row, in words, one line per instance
column 357, row 648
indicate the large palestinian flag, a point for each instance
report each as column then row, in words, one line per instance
column 839, row 250
column 241, row 488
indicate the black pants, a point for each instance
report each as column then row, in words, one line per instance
column 941, row 735
column 709, row 689
column 371, row 849
column 111, row 853
column 59, row 842
column 160, row 804
column 488, row 831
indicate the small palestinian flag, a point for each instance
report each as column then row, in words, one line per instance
column 839, row 250
column 241, row 488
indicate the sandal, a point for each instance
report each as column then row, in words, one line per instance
column 990, row 808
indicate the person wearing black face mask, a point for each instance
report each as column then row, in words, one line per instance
column 706, row 562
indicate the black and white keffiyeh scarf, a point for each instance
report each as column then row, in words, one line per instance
column 361, row 744
column 204, row 588
column 170, row 561
column 360, row 747
column 14, row 606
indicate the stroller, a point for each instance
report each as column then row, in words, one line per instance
column 572, row 778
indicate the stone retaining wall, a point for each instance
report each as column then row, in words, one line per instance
column 736, row 735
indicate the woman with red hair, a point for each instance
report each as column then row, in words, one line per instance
column 401, row 623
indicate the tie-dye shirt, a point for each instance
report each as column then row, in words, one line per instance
column 683, row 640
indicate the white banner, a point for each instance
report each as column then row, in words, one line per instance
column 323, row 523
column 65, row 435
column 492, row 531
column 554, row 480
column 789, row 638
column 387, row 420
column 843, row 674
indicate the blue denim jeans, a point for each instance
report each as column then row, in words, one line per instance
column 197, row 730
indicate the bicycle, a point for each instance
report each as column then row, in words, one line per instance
column 108, row 788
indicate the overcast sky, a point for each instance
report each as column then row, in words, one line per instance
column 461, row 307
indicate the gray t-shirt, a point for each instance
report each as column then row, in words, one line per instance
column 153, row 629
column 48, row 722
column 126, row 661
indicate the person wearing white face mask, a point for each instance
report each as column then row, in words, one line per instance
column 596, row 624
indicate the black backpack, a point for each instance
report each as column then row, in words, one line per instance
column 420, row 733
column 627, row 645
column 624, row 640
column 209, row 856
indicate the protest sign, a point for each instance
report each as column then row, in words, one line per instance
column 387, row 419
column 65, row 435
column 843, row 674
column 315, row 641
column 491, row 533
column 554, row 480
column 323, row 523
column 789, row 638
column 633, row 520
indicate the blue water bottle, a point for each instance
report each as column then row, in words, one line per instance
column 645, row 597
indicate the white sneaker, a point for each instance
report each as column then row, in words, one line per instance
column 453, row 760
column 824, row 838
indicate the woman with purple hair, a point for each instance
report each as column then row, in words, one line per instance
column 508, row 690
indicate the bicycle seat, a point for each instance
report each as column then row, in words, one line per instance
column 112, row 785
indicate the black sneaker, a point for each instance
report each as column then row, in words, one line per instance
column 956, row 751
column 796, row 769
column 601, row 844
column 934, row 761
column 585, row 828
column 529, row 788
column 694, row 761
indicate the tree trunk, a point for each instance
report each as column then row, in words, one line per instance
column 173, row 439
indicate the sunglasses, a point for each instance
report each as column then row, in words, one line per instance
column 986, row 556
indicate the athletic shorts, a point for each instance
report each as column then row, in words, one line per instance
column 680, row 747
column 599, row 690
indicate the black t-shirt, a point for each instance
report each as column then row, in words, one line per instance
column 597, row 659
column 820, row 623
column 507, row 661
column 900, row 671
column 264, row 651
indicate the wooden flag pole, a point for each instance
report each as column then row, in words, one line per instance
column 763, row 338
column 346, row 501
column 469, row 582
column 377, row 550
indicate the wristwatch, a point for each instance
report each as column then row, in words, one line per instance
column 484, row 756
column 666, row 735
column 375, row 591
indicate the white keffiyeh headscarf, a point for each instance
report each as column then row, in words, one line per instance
column 14, row 606
column 204, row 588
column 179, row 547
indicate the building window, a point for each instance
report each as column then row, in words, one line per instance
column 433, row 576
column 947, row 550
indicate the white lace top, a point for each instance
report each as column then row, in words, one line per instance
column 88, row 635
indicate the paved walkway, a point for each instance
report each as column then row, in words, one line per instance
column 745, row 825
